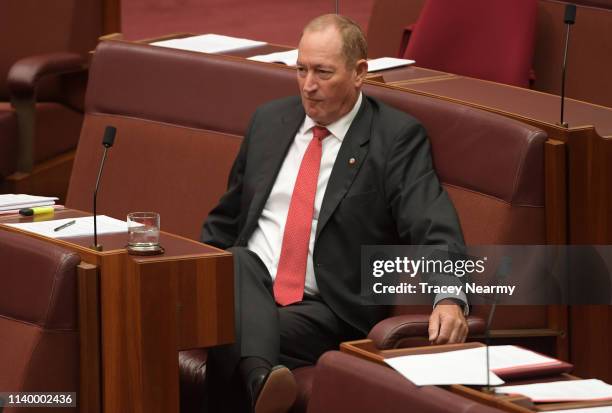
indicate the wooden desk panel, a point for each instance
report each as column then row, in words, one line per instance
column 520, row 103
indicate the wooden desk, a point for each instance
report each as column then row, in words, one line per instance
column 366, row 349
column 136, row 313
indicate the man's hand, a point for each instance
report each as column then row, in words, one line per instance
column 447, row 323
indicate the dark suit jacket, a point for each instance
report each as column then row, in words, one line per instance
column 390, row 195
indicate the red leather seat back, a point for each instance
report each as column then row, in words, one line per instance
column 179, row 128
column 491, row 40
column 39, row 347
column 493, row 170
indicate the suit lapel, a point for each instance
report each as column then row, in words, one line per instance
column 354, row 147
column 274, row 146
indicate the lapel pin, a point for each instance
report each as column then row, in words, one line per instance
column 352, row 161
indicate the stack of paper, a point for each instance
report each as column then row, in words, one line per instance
column 601, row 409
column 451, row 367
column 80, row 227
column 562, row 391
column 469, row 366
column 14, row 202
column 288, row 58
column 384, row 63
column 209, row 43
column 517, row 362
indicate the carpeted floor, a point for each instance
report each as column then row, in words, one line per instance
column 275, row 21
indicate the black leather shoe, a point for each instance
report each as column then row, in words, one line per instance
column 274, row 392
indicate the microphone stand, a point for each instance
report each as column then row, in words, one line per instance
column 107, row 142
column 570, row 19
column 502, row 272
column 488, row 389
column 97, row 246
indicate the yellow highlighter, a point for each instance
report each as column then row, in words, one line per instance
column 36, row 211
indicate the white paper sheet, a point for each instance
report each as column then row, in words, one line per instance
column 209, row 43
column 383, row 63
column 601, row 409
column 82, row 227
column 505, row 357
column 289, row 57
column 452, row 367
column 18, row 201
column 561, row 391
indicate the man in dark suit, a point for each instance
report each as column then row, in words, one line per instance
column 317, row 177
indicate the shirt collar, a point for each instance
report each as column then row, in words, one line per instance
column 338, row 128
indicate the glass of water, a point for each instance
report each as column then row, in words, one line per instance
column 143, row 230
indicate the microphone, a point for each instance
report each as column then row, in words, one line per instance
column 107, row 142
column 569, row 20
column 503, row 269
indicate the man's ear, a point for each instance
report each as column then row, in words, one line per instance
column 361, row 70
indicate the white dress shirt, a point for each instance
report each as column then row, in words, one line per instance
column 267, row 239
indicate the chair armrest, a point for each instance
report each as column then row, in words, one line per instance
column 192, row 372
column 391, row 332
column 24, row 75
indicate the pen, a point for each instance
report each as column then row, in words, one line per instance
column 66, row 225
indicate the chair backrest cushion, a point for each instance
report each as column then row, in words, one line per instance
column 39, row 348
column 492, row 40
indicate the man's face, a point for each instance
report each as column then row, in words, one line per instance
column 328, row 88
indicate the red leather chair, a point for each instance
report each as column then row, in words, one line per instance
column 491, row 40
column 42, row 84
column 39, row 340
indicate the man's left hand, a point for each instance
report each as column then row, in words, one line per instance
column 447, row 323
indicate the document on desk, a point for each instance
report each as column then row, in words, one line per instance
column 81, row 227
column 383, row 63
column 451, row 367
column 562, row 391
column 288, row 57
column 10, row 202
column 209, row 43
column 600, row 409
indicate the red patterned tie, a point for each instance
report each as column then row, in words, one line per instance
column 291, row 272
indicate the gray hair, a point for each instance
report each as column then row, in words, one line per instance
column 354, row 45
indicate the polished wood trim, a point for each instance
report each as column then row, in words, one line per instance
column 558, row 320
column 89, row 399
column 527, row 332
column 205, row 308
column 111, row 16
column 367, row 350
column 591, row 341
column 555, row 197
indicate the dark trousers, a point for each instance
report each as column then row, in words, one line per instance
column 294, row 335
